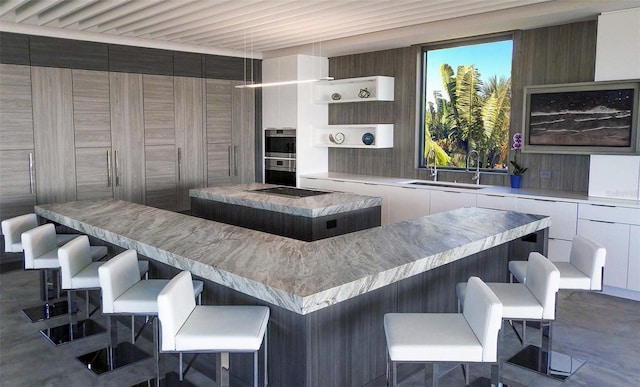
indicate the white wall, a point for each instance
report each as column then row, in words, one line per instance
column 618, row 45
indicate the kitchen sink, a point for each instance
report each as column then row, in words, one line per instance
column 445, row 185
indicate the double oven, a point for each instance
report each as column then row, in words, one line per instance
column 280, row 156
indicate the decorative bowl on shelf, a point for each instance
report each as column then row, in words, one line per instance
column 368, row 138
column 336, row 96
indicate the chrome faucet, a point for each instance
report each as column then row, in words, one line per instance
column 434, row 170
column 476, row 175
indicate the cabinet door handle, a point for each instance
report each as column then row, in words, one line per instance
column 235, row 160
column 109, row 175
column 31, row 181
column 179, row 162
column 230, row 161
column 115, row 156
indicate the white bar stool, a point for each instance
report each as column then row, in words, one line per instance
column 13, row 228
column 186, row 327
column 41, row 253
column 467, row 337
column 124, row 293
column 534, row 300
column 584, row 271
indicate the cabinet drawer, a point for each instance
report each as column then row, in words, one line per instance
column 559, row 250
column 563, row 215
column 497, row 202
column 615, row 237
column 450, row 200
column 609, row 213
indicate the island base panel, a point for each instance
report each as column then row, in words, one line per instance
column 292, row 226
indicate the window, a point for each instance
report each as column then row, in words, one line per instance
column 467, row 103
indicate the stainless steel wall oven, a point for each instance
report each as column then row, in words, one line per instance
column 280, row 156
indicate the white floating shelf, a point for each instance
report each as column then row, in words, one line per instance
column 351, row 136
column 378, row 88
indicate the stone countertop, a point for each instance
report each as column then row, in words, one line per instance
column 575, row 197
column 299, row 276
column 311, row 207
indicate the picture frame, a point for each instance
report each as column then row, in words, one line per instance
column 582, row 118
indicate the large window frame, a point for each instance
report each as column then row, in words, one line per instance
column 423, row 91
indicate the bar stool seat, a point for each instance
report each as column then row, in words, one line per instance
column 186, row 327
column 582, row 272
column 13, row 228
column 467, row 337
column 41, row 253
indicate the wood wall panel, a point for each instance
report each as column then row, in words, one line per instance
column 140, row 60
column 14, row 48
column 92, row 173
column 559, row 54
column 243, row 113
column 17, row 196
column 68, row 53
column 159, row 110
column 219, row 111
column 160, row 176
column 189, row 105
column 16, row 109
column 53, row 135
column 91, row 108
column 127, row 128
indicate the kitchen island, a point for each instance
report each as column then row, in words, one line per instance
column 327, row 297
column 302, row 214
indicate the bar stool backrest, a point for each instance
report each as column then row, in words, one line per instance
column 116, row 276
column 13, row 228
column 38, row 241
column 588, row 257
column 175, row 304
column 73, row 257
column 483, row 312
column 543, row 281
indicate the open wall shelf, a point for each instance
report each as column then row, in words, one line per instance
column 353, row 136
column 377, row 88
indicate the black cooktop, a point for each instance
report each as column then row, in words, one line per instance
column 290, row 192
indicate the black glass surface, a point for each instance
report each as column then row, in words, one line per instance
column 290, row 191
column 72, row 331
column 47, row 311
column 123, row 354
column 554, row 364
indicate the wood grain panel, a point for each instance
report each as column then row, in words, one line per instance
column 218, row 164
column 161, row 179
column 68, row 53
column 140, row 60
column 189, row 105
column 559, row 54
column 53, row 134
column 92, row 173
column 127, row 129
column 243, row 127
column 16, row 110
column 159, row 114
column 17, row 196
column 186, row 64
column 91, row 109
column 14, row 48
column 219, row 111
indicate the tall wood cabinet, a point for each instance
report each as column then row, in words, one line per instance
column 230, row 133
column 189, row 112
column 160, row 142
column 72, row 134
column 17, row 180
column 127, row 136
column 92, row 124
column 54, row 142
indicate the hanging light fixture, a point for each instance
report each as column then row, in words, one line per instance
column 268, row 84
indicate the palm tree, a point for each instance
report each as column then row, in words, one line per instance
column 476, row 116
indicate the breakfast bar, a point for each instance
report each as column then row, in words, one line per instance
column 327, row 297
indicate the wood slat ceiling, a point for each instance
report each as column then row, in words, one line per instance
column 249, row 25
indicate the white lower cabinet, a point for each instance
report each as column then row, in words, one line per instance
column 633, row 278
column 563, row 215
column 496, row 202
column 406, row 203
column 369, row 189
column 450, row 200
column 559, row 250
column 615, row 238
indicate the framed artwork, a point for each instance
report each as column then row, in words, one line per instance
column 582, row 118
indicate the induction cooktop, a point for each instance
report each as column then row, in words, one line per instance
column 290, row 192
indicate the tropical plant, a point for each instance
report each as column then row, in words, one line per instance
column 475, row 116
